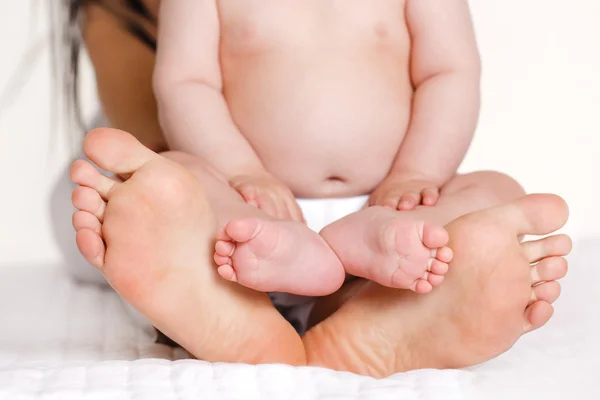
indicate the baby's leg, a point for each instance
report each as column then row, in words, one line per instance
column 260, row 252
column 406, row 249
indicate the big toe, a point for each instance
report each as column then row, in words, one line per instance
column 243, row 230
column 557, row 245
column 434, row 236
column 116, row 151
column 537, row 214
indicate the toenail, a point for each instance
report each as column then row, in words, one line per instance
column 429, row 263
column 434, row 253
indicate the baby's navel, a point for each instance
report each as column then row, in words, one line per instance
column 336, row 180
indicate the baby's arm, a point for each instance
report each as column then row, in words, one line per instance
column 188, row 86
column 193, row 113
column 445, row 70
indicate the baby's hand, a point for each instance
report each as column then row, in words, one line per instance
column 269, row 194
column 405, row 192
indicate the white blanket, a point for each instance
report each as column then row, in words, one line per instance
column 60, row 340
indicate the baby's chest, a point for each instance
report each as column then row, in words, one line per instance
column 309, row 22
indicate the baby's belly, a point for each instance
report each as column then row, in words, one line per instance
column 326, row 125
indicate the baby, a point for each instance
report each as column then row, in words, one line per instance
column 323, row 99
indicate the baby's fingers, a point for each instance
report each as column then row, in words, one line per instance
column 430, row 196
column 267, row 205
column 295, row 211
column 283, row 211
column 249, row 194
column 408, row 201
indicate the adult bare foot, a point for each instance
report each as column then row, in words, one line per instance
column 496, row 290
column 277, row 256
column 380, row 245
column 152, row 237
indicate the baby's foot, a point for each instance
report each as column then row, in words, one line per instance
column 277, row 256
column 379, row 245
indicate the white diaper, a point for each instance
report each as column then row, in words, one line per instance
column 322, row 212
column 318, row 214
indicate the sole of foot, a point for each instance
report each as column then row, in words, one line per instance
column 380, row 245
column 496, row 290
column 151, row 233
column 277, row 256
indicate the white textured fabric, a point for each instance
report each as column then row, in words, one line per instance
column 61, row 340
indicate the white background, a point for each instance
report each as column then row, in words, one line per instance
column 540, row 119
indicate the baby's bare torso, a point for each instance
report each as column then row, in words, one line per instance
column 320, row 89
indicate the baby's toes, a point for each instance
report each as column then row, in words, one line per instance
column 433, row 278
column 223, row 252
column 443, row 254
column 422, row 286
column 389, row 202
column 437, row 267
column 222, row 235
column 227, row 272
column 430, row 196
column 409, row 201
column 224, row 248
column 221, row 260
